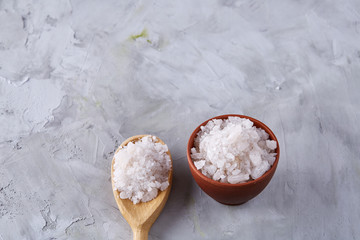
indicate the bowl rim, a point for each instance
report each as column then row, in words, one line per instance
column 220, row 184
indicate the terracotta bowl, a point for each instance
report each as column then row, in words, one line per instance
column 226, row 193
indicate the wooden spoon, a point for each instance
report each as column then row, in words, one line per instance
column 141, row 216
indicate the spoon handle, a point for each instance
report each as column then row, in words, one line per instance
column 140, row 233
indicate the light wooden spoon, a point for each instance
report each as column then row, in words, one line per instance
column 141, row 216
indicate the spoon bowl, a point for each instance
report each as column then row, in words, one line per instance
column 141, row 216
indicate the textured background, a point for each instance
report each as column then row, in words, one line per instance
column 77, row 78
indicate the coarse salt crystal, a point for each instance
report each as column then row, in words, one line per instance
column 271, row 144
column 199, row 164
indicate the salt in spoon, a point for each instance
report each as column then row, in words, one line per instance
column 141, row 216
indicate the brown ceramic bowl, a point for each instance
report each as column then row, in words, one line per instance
column 226, row 193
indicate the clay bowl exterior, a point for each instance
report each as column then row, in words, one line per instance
column 226, row 193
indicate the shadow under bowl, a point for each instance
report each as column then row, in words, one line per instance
column 226, row 193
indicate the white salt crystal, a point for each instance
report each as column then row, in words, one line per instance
column 255, row 158
column 199, row 164
column 234, row 179
column 271, row 144
column 141, row 169
column 211, row 169
column 232, row 167
column 259, row 170
column 232, row 150
column 217, row 175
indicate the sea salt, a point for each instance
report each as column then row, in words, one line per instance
column 233, row 150
column 141, row 169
